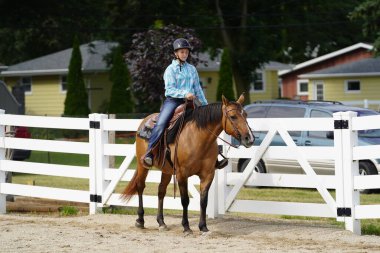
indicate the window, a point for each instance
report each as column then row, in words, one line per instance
column 287, row 112
column 302, row 87
column 318, row 114
column 257, row 111
column 258, row 82
column 26, row 82
column 63, row 83
column 352, row 86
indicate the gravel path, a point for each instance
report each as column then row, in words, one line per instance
column 116, row 233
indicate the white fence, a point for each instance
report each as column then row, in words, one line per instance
column 344, row 207
column 365, row 103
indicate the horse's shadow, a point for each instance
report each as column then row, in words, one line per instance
column 241, row 226
column 236, row 227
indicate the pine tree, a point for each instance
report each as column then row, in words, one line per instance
column 120, row 101
column 76, row 102
column 225, row 85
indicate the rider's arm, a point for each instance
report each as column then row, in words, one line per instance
column 198, row 89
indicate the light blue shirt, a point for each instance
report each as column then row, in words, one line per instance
column 180, row 80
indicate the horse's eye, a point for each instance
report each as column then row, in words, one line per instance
column 233, row 117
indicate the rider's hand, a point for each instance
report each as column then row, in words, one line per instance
column 190, row 96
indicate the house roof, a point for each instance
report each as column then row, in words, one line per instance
column 57, row 63
column 212, row 64
column 365, row 67
column 274, row 65
column 327, row 56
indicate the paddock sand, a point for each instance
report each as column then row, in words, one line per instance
column 116, row 233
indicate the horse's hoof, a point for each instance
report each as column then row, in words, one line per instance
column 163, row 228
column 139, row 225
column 188, row 232
column 205, row 234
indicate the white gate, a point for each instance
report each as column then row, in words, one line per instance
column 346, row 153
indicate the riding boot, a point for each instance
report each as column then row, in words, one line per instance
column 221, row 164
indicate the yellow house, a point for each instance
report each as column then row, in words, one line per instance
column 265, row 84
column 356, row 83
column 44, row 79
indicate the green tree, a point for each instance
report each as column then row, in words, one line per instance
column 369, row 12
column 76, row 102
column 30, row 29
column 225, row 85
column 120, row 101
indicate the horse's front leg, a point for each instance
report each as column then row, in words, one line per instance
column 182, row 183
column 205, row 186
column 165, row 179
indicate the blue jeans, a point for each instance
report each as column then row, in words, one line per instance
column 166, row 114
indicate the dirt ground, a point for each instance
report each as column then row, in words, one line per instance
column 26, row 232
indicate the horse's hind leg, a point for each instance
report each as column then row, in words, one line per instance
column 140, row 189
column 182, row 183
column 165, row 180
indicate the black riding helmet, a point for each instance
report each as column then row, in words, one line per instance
column 181, row 43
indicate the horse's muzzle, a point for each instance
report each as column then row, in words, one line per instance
column 247, row 140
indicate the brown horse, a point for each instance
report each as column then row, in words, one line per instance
column 197, row 152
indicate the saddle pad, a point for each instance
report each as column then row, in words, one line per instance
column 146, row 130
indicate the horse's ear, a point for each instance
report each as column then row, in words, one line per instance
column 241, row 99
column 225, row 100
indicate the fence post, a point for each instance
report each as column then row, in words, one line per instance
column 216, row 198
column 212, row 205
column 92, row 164
column 350, row 169
column 102, row 161
column 3, row 202
column 222, row 177
column 339, row 191
column 98, row 161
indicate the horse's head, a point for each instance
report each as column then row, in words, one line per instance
column 235, row 121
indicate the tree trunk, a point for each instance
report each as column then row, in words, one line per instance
column 242, row 83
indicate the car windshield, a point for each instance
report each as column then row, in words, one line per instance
column 370, row 133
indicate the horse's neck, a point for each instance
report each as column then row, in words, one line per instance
column 213, row 131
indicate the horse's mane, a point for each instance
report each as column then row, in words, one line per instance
column 205, row 115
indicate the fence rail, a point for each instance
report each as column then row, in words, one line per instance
column 345, row 153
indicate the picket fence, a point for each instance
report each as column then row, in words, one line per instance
column 346, row 153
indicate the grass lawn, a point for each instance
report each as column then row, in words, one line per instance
column 370, row 226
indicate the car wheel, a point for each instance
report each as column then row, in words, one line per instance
column 259, row 168
column 366, row 168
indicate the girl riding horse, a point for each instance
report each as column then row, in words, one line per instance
column 196, row 153
column 181, row 82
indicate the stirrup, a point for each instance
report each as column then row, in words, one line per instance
column 221, row 164
column 148, row 160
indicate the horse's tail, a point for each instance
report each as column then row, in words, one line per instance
column 131, row 188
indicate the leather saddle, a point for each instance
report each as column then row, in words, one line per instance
column 151, row 122
column 161, row 150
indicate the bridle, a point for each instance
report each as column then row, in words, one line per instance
column 235, row 129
